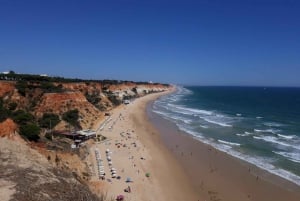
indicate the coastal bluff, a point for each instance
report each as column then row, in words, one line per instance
column 39, row 167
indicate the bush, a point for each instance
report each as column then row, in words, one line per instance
column 49, row 87
column 21, row 87
column 71, row 117
column 93, row 98
column 12, row 106
column 115, row 101
column 21, row 117
column 47, row 119
column 4, row 113
column 30, row 132
column 134, row 89
column 48, row 136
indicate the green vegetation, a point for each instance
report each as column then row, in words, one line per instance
column 49, row 87
column 25, row 87
column 12, row 106
column 21, row 117
column 21, row 87
column 4, row 113
column 93, row 98
column 134, row 89
column 37, row 78
column 49, row 120
column 30, row 131
column 72, row 117
column 114, row 99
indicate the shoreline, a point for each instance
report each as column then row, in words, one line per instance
column 218, row 175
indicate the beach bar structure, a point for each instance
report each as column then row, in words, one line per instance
column 87, row 134
column 77, row 135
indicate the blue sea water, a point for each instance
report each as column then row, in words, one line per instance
column 256, row 124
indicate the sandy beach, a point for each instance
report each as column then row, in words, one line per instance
column 134, row 148
column 140, row 144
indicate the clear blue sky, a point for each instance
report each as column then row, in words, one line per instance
column 209, row 42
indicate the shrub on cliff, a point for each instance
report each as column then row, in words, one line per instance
column 12, row 106
column 21, row 117
column 49, row 87
column 71, row 117
column 21, row 87
column 114, row 100
column 49, row 120
column 93, row 98
column 30, row 131
column 4, row 113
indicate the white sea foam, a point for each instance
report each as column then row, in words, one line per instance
column 237, row 114
column 206, row 115
column 274, row 131
column 259, row 117
column 275, row 140
column 189, row 131
column 192, row 111
column 216, row 122
column 186, row 121
column 239, row 134
column 286, row 136
column 161, row 113
column 229, row 143
column 244, row 134
column 202, row 126
column 273, row 124
column 295, row 157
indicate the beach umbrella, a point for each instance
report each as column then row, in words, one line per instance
column 109, row 163
column 128, row 179
column 147, row 174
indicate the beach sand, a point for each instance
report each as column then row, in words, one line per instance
column 180, row 167
column 135, row 149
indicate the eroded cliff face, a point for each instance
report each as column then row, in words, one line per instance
column 59, row 103
column 8, row 128
column 57, row 172
column 6, row 88
column 91, row 99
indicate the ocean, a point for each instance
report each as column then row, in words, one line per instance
column 260, row 125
